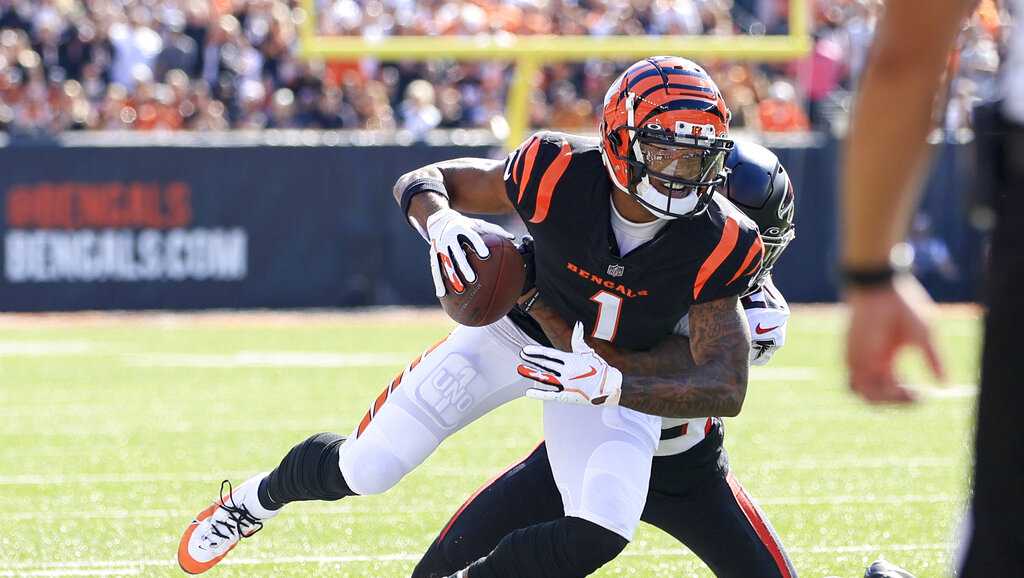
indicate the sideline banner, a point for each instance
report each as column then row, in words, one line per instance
column 190, row 227
column 163, row 227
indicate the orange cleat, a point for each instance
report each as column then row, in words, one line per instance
column 217, row 530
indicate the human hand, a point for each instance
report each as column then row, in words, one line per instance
column 580, row 376
column 883, row 321
column 447, row 229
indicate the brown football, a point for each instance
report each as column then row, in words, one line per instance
column 499, row 282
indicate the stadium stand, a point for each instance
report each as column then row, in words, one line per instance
column 207, row 65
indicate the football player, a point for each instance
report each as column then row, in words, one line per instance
column 692, row 496
column 629, row 237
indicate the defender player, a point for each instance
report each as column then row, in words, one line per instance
column 692, row 496
column 656, row 167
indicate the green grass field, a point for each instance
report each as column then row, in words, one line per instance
column 114, row 432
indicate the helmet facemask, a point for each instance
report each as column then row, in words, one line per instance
column 774, row 245
column 664, row 130
column 673, row 171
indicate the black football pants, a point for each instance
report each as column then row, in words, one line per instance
column 996, row 547
column 692, row 497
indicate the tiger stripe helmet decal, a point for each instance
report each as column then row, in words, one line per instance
column 670, row 102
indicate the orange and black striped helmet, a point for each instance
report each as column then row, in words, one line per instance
column 664, row 132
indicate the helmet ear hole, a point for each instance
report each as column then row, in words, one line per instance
column 613, row 137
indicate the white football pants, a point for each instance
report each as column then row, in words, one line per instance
column 600, row 456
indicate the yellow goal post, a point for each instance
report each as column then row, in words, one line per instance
column 529, row 53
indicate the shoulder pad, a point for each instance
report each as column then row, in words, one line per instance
column 735, row 258
column 535, row 167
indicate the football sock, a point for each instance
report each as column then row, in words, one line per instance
column 310, row 471
column 562, row 548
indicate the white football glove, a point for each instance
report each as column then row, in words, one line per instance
column 445, row 229
column 580, row 377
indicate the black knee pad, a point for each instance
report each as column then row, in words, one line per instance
column 591, row 546
column 563, row 548
column 310, row 471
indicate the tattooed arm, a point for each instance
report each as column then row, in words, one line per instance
column 716, row 383
column 679, row 377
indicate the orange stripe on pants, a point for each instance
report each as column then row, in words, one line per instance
column 383, row 397
column 757, row 521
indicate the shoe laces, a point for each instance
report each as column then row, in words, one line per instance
column 240, row 521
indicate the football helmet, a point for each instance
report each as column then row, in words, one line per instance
column 759, row 185
column 664, row 135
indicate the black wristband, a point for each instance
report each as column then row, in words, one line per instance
column 867, row 278
column 422, row 185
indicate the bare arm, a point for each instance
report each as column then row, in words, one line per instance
column 885, row 154
column 473, row 185
column 671, row 356
column 886, row 149
column 717, row 382
column 678, row 377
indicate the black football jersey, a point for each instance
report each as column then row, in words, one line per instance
column 560, row 188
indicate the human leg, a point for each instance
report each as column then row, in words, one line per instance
column 522, row 495
column 452, row 384
column 600, row 460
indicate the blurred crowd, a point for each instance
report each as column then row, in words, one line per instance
column 220, row 64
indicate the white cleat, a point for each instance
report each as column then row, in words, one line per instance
column 217, row 529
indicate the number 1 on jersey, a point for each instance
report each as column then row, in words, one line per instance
column 609, row 307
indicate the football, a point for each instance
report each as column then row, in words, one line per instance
column 499, row 282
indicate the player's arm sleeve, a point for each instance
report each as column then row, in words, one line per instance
column 729, row 269
column 533, row 169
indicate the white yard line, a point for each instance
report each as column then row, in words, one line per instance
column 95, row 567
column 186, row 515
column 810, row 549
column 105, row 571
column 199, row 477
column 115, row 514
column 268, row 359
column 364, row 359
column 861, row 463
column 208, row 478
column 43, row 348
column 953, row 391
column 303, row 318
column 858, row 499
column 127, row 478
column 98, row 515
column 213, row 478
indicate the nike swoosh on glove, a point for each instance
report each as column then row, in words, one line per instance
column 580, row 377
column 447, row 229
